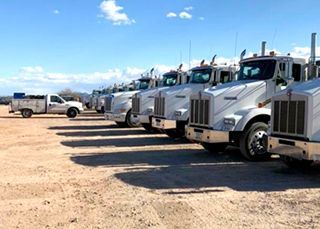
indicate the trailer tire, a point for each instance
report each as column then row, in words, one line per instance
column 214, row 147
column 26, row 113
column 72, row 113
column 253, row 142
column 295, row 163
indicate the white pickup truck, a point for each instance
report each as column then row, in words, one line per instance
column 143, row 102
column 238, row 113
column 45, row 104
column 171, row 106
column 118, row 106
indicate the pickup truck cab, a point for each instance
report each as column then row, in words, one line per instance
column 44, row 104
column 171, row 106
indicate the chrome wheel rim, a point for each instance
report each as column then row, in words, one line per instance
column 257, row 143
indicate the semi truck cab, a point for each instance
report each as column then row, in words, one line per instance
column 171, row 106
column 143, row 102
column 238, row 113
column 118, row 106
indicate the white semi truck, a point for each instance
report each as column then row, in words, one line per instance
column 171, row 106
column 143, row 102
column 44, row 104
column 238, row 113
column 294, row 131
column 118, row 106
column 100, row 100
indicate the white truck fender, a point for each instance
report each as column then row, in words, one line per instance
column 248, row 115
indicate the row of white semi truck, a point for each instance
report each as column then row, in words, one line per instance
column 265, row 105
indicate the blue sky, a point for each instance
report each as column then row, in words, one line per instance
column 53, row 44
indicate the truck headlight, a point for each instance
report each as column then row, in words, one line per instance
column 178, row 113
column 229, row 121
column 150, row 110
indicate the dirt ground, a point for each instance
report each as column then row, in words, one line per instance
column 87, row 173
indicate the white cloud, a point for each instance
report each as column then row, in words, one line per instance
column 56, row 12
column 201, row 18
column 189, row 8
column 171, row 15
column 185, row 15
column 113, row 13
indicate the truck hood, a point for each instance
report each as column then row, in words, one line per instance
column 182, row 90
column 232, row 98
column 177, row 98
column 74, row 104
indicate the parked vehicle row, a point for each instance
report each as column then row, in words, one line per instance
column 267, row 104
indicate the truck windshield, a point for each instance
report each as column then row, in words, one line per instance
column 143, row 84
column 201, row 76
column 257, row 70
column 170, row 80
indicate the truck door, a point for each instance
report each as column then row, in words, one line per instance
column 56, row 105
column 280, row 81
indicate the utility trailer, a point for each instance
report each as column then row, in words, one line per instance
column 44, row 104
column 238, row 113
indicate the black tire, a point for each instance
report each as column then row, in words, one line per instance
column 253, row 142
column 129, row 122
column 26, row 113
column 214, row 147
column 72, row 113
column 102, row 110
column 174, row 133
column 295, row 163
column 122, row 124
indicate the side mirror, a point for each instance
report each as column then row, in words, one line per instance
column 280, row 82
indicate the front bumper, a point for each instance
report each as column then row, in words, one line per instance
column 164, row 124
column 301, row 150
column 144, row 118
column 208, row 136
column 115, row 117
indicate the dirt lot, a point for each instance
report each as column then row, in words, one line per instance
column 87, row 173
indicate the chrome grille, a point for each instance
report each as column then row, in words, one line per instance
column 159, row 106
column 289, row 117
column 199, row 112
column 108, row 104
column 135, row 105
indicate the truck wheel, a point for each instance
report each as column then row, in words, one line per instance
column 26, row 113
column 295, row 163
column 130, row 121
column 253, row 142
column 174, row 133
column 122, row 124
column 72, row 113
column 102, row 110
column 214, row 147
